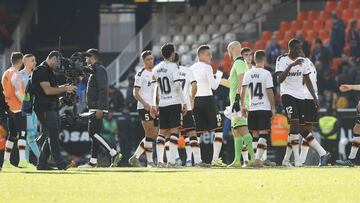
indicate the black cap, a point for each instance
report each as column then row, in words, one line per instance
column 92, row 52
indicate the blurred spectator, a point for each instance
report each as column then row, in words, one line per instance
column 354, row 39
column 226, row 64
column 341, row 102
column 328, row 100
column 110, row 130
column 116, row 99
column 305, row 44
column 322, row 55
column 273, row 51
column 346, row 71
column 130, row 101
column 5, row 37
column 337, row 37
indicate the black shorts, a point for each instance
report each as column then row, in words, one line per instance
column 206, row 114
column 145, row 116
column 294, row 108
column 310, row 113
column 170, row 116
column 188, row 122
column 259, row 120
column 20, row 121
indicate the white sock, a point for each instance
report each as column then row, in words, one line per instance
column 195, row 149
column 93, row 160
column 148, row 150
column 140, row 149
column 21, row 147
column 315, row 144
column 160, row 146
column 288, row 151
column 261, row 148
column 8, row 147
column 167, row 151
column 217, row 145
column 173, row 148
column 295, row 146
column 264, row 156
column 188, row 149
column 354, row 147
column 304, row 151
column 245, row 154
column 113, row 152
column 254, row 145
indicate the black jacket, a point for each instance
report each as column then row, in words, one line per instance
column 97, row 94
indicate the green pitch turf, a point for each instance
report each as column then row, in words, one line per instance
column 182, row 185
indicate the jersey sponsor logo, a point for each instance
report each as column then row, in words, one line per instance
column 297, row 73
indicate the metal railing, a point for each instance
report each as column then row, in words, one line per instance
column 18, row 34
column 127, row 57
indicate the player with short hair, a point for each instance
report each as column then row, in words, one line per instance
column 171, row 98
column 292, row 70
column 247, row 54
column 311, row 118
column 143, row 91
column 239, row 125
column 262, row 106
column 207, row 117
column 356, row 130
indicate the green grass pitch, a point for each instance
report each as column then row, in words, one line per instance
column 182, row 185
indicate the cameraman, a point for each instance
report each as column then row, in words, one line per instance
column 97, row 97
column 46, row 108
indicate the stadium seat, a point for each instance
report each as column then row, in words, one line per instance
column 225, row 28
column 266, row 35
column 199, row 29
column 307, row 25
column 266, row 7
column 183, row 48
column 220, row 19
column 347, row 14
column 357, row 13
column 190, row 39
column 338, row 12
column 229, row 37
column 341, row 5
column 194, row 20
column 289, row 35
column 283, row 44
column 186, row 59
column 238, row 28
column 186, row 29
column 208, row 19
column 181, row 20
column 295, row 25
column 284, row 26
column 234, row 17
column 318, row 25
column 324, row 15
column 246, row 44
column 204, row 38
column 241, row 8
column 324, row 34
column 215, row 9
column 228, row 9
column 311, row 35
column 328, row 24
column 190, row 11
column 203, row 10
column 279, row 35
column 223, row 2
column 354, row 4
column 178, row 39
column 173, row 30
column 211, row 2
column 250, row 27
column 164, row 39
column 274, row 2
column 313, row 15
column 260, row 45
column 211, row 29
column 156, row 50
column 303, row 33
column 302, row 16
column 246, row 17
column 248, row 1
column 330, row 6
column 253, row 8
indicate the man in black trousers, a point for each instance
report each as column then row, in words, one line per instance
column 97, row 97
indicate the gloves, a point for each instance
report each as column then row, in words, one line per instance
column 236, row 105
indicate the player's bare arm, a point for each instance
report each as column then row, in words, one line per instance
column 243, row 107
column 137, row 96
column 346, row 87
column 282, row 76
column 193, row 93
column 153, row 109
column 311, row 90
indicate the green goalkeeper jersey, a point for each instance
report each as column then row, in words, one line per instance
column 239, row 67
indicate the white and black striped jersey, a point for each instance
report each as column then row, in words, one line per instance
column 187, row 78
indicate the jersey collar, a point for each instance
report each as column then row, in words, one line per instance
column 239, row 58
